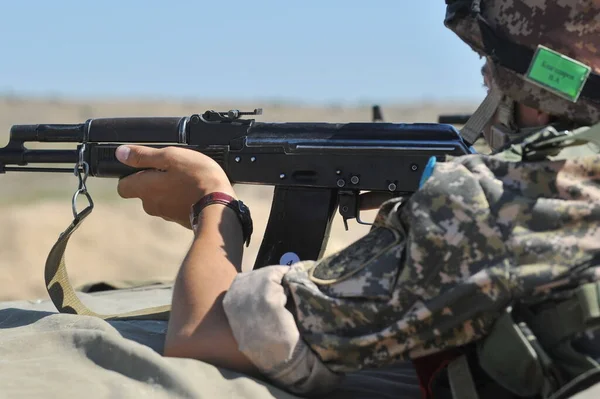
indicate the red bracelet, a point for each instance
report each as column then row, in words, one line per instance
column 241, row 210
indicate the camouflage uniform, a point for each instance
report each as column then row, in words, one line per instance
column 486, row 236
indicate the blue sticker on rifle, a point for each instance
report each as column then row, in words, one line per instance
column 428, row 171
column 289, row 258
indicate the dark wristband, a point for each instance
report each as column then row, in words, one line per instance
column 241, row 210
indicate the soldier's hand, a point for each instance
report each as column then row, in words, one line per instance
column 175, row 179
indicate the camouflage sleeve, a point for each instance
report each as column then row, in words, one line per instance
column 346, row 305
column 256, row 306
column 264, row 307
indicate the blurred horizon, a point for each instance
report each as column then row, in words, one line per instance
column 341, row 52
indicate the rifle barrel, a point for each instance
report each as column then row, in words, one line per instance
column 48, row 133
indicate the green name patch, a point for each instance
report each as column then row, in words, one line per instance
column 558, row 73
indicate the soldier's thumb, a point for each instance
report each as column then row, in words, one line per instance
column 139, row 156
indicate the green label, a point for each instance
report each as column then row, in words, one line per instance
column 558, row 73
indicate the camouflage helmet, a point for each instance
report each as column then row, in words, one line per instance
column 508, row 33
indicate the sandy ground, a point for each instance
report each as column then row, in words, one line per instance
column 119, row 241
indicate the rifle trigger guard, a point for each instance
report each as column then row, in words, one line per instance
column 349, row 207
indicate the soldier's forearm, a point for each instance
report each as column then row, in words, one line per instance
column 198, row 327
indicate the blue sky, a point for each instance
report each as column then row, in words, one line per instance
column 310, row 51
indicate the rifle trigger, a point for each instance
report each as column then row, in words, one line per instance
column 348, row 206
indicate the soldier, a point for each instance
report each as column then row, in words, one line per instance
column 435, row 273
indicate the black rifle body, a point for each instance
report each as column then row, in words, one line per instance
column 315, row 168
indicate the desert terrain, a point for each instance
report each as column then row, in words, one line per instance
column 118, row 241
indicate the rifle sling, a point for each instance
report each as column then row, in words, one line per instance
column 471, row 131
column 62, row 293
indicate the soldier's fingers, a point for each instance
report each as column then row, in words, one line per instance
column 138, row 156
column 140, row 184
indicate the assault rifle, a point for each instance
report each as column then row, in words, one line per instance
column 315, row 168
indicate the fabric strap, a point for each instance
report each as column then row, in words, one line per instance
column 471, row 131
column 62, row 293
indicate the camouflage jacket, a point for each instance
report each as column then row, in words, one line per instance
column 483, row 235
